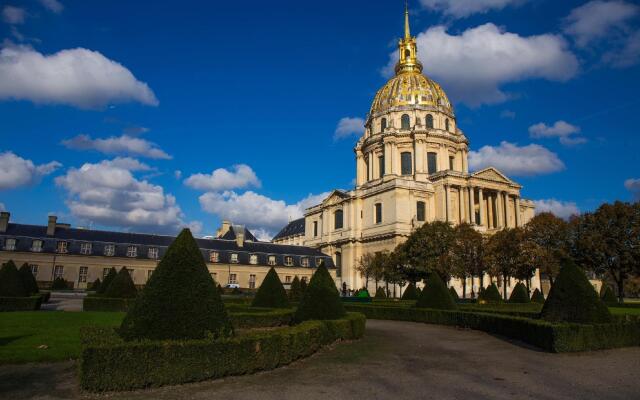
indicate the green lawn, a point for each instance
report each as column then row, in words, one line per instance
column 22, row 333
column 625, row 311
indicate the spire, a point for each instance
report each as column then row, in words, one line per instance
column 408, row 60
column 407, row 31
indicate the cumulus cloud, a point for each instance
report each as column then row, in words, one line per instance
column 108, row 193
column 597, row 19
column 255, row 210
column 627, row 55
column 516, row 160
column 124, row 144
column 464, row 8
column 52, row 5
column 77, row 77
column 16, row 171
column 474, row 65
column 564, row 131
column 13, row 15
column 633, row 185
column 348, row 126
column 561, row 209
column 241, row 176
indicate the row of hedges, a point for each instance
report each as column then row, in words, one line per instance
column 108, row 363
column 95, row 303
column 260, row 318
column 31, row 303
column 553, row 337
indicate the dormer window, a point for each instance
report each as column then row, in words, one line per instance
column 62, row 247
column 304, row 261
column 110, row 250
column 36, row 246
column 85, row 248
column 10, row 244
column 253, row 259
column 288, row 261
column 152, row 253
column 234, row 258
column 214, row 256
column 272, row 260
column 132, row 251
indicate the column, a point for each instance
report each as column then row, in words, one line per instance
column 462, row 217
column 517, row 211
column 483, row 220
column 499, row 210
column 446, row 202
column 472, row 205
column 388, row 159
column 490, row 210
column 505, row 204
column 370, row 171
column 360, row 169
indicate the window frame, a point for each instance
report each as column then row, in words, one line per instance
column 428, row 121
column 214, row 256
column 315, row 228
column 62, row 247
column 335, row 219
column 404, row 162
column 11, row 247
column 253, row 259
column 39, row 248
column 272, row 260
column 304, row 262
column 82, row 278
column 34, row 270
column 153, row 253
column 233, row 258
column 57, row 268
column 233, row 279
column 86, row 248
column 132, row 251
column 405, row 122
column 109, row 250
column 288, row 261
column 377, row 213
column 421, row 206
column 383, row 125
column 435, row 162
column 252, row 281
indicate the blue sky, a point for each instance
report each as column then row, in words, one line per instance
column 116, row 114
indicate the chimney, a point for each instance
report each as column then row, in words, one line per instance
column 239, row 232
column 4, row 221
column 51, row 225
column 223, row 229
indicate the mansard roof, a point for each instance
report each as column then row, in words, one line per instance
column 231, row 234
column 293, row 228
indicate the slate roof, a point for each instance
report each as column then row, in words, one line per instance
column 231, row 234
column 293, row 228
column 25, row 234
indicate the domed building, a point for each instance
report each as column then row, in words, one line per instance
column 411, row 168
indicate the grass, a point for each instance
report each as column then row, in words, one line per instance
column 47, row 336
column 624, row 311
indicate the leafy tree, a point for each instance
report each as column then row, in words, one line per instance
column 502, row 254
column 552, row 235
column 271, row 293
column 520, row 294
column 180, row 300
column 111, row 275
column 436, row 295
column 392, row 273
column 95, row 286
column 490, row 294
column 11, row 282
column 531, row 257
column 365, row 266
column 295, row 293
column 467, row 255
column 321, row 300
column 537, row 297
column 573, row 299
column 427, row 250
column 122, row 286
column 28, row 281
column 410, row 293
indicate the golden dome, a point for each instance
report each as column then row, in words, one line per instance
column 409, row 87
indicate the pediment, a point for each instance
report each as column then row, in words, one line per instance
column 335, row 197
column 492, row 174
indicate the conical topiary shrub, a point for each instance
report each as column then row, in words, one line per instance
column 435, row 295
column 95, row 286
column 520, row 294
column 180, row 300
column 59, row 284
column 303, row 286
column 220, row 289
column 537, row 297
column 380, row 293
column 321, row 299
column 573, row 299
column 122, row 286
column 28, row 281
column 295, row 293
column 271, row 293
column 410, row 293
column 454, row 294
column 111, row 275
column 364, row 293
column 490, row 295
column 11, row 282
column 607, row 295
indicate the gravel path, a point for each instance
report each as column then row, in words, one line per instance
column 395, row 360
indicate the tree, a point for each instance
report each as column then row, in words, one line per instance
column 532, row 255
column 502, row 254
column 321, row 300
column 366, row 266
column 393, row 271
column 11, row 282
column 295, row 293
column 271, row 293
column 552, row 235
column 122, row 286
column 436, row 295
column 427, row 250
column 111, row 275
column 609, row 242
column 28, row 281
column 180, row 300
column 303, row 285
column 467, row 254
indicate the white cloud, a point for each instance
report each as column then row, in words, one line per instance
column 241, row 176
column 16, row 171
column 561, row 209
column 597, row 19
column 464, row 8
column 633, row 185
column 117, row 145
column 516, row 160
column 474, row 65
column 13, row 15
column 108, row 193
column 77, row 77
column 627, row 55
column 177, row 174
column 255, row 210
column 348, row 126
column 562, row 130
column 52, row 5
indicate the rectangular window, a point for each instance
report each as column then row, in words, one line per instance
column 288, row 261
column 34, row 270
column 85, row 248
column 58, row 271
column 420, row 210
column 214, row 256
column 10, row 244
column 233, row 278
column 318, row 261
column 62, row 247
column 109, row 250
column 432, row 163
column 105, row 272
column 381, row 165
column 378, row 217
column 253, row 259
column 152, row 253
column 287, row 279
column 36, row 246
column 405, row 163
column 234, row 258
column 82, row 276
column 132, row 251
column 304, row 261
column 315, row 228
column 337, row 219
column 451, row 161
column 252, row 281
column 272, row 260
column 338, row 264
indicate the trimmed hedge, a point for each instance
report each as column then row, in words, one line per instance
column 490, row 295
column 122, row 286
column 520, row 294
column 553, row 337
column 321, row 299
column 295, row 293
column 271, row 292
column 31, row 303
column 251, row 317
column 410, row 293
column 60, row 284
column 436, row 295
column 95, row 286
column 380, row 293
column 111, row 275
column 454, row 294
column 11, row 282
column 108, row 363
column 28, row 281
column 97, row 303
column 537, row 297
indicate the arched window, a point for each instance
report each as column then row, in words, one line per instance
column 383, row 124
column 429, row 121
column 407, row 53
column 405, row 163
column 337, row 220
column 405, row 122
column 446, row 124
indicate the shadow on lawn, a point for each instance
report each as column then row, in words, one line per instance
column 8, row 339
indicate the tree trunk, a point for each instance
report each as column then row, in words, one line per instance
column 464, row 287
column 482, row 281
column 504, row 286
column 620, row 285
column 388, row 293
